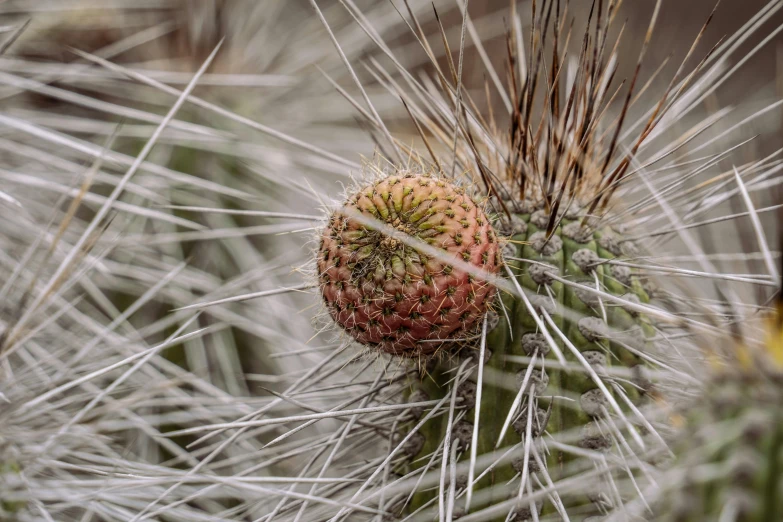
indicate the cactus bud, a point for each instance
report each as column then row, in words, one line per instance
column 384, row 292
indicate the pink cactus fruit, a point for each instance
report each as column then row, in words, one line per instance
column 387, row 294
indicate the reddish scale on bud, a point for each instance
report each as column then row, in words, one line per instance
column 387, row 294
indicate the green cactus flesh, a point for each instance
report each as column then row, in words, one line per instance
column 566, row 399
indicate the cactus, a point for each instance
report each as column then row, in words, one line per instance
column 564, row 355
column 391, row 296
column 731, row 453
column 557, row 387
column 729, row 446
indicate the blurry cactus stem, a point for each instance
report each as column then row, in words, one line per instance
column 729, row 448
